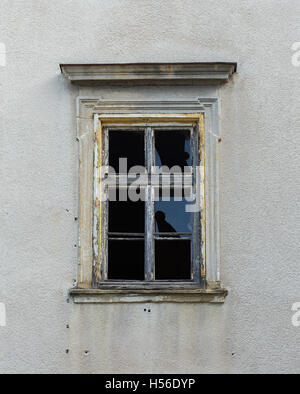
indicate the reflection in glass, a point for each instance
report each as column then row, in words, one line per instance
column 171, row 216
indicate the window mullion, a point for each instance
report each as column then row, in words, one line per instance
column 149, row 237
column 149, row 222
column 149, row 149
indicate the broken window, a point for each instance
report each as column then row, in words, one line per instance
column 172, row 148
column 173, row 236
column 151, row 233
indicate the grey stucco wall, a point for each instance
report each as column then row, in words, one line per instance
column 259, row 165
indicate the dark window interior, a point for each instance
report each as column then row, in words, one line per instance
column 126, row 144
column 172, row 148
column 126, row 227
column 173, row 259
column 126, row 260
column 126, row 217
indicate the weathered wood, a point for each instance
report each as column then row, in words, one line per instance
column 149, row 241
column 148, row 295
column 101, row 211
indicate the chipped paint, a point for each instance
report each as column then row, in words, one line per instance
column 103, row 296
column 202, row 196
column 97, row 221
column 145, row 120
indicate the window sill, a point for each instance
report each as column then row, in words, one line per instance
column 107, row 296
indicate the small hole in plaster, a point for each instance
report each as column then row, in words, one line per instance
column 86, row 352
column 67, row 351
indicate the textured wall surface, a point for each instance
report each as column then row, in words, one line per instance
column 252, row 331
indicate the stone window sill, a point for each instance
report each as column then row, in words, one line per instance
column 105, row 296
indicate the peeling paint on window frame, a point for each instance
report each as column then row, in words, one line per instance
column 99, row 275
column 89, row 110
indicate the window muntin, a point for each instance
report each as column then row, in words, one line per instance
column 152, row 255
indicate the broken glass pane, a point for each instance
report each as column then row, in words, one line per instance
column 172, row 216
column 172, row 148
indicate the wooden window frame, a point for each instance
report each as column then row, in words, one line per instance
column 148, row 123
column 93, row 114
column 190, row 182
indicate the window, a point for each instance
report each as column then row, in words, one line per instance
column 118, row 107
column 150, row 222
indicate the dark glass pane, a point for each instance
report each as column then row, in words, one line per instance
column 172, row 260
column 126, row 144
column 126, row 216
column 172, row 148
column 172, row 216
column 126, row 260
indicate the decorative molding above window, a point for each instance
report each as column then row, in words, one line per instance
column 149, row 73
